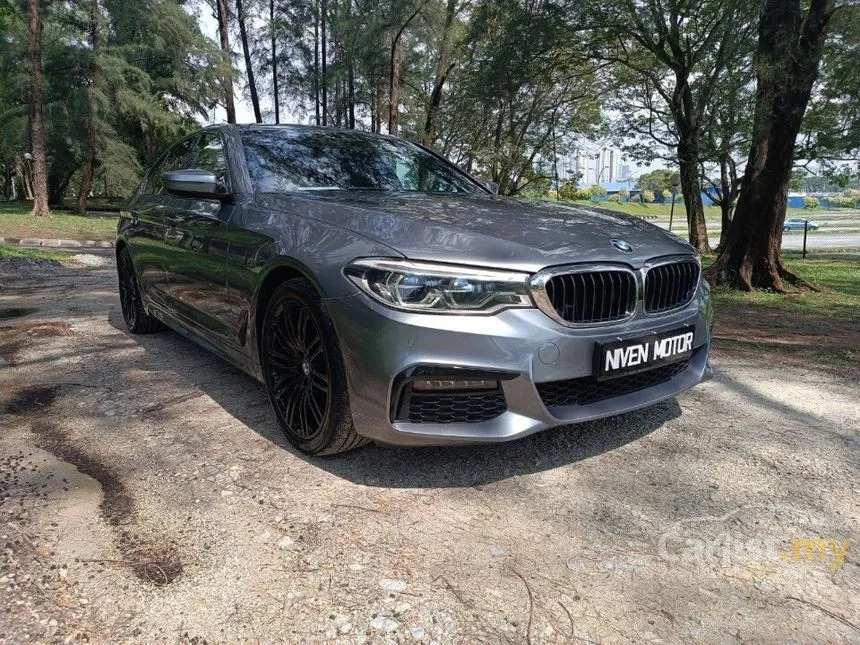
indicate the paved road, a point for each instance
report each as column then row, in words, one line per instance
column 840, row 230
column 821, row 239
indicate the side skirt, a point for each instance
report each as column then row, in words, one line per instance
column 181, row 327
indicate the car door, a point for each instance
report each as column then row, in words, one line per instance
column 196, row 244
column 145, row 235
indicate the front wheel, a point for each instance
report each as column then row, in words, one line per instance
column 136, row 318
column 304, row 372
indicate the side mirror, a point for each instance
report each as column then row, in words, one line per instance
column 492, row 186
column 193, row 183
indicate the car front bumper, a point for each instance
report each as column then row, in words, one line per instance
column 380, row 345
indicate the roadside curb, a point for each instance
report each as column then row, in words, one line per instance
column 53, row 243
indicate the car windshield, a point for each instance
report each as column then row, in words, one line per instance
column 289, row 160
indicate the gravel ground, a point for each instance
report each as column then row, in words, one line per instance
column 147, row 496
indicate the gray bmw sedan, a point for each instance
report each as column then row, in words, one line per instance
column 380, row 293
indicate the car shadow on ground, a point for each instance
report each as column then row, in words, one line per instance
column 245, row 399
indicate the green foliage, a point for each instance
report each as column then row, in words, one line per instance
column 567, row 191
column 648, row 196
column 135, row 77
column 597, row 190
column 796, row 182
column 831, row 125
column 842, row 201
column 810, row 202
column 666, row 195
column 520, row 81
column 613, row 198
column 659, row 180
column 624, row 194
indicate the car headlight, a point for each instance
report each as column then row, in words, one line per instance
column 439, row 288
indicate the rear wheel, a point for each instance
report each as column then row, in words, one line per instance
column 304, row 372
column 136, row 318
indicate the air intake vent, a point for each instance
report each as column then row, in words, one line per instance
column 670, row 286
column 586, row 390
column 454, row 407
column 589, row 297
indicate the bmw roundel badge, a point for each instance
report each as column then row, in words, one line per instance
column 622, row 246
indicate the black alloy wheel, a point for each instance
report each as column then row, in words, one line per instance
column 133, row 312
column 304, row 372
column 301, row 387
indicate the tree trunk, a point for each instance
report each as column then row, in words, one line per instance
column 338, row 95
column 89, row 169
column 277, row 98
column 373, row 117
column 394, row 75
column 728, row 196
column 7, row 182
column 789, row 51
column 58, row 182
column 150, row 139
column 443, row 68
column 393, row 88
column 249, row 66
column 324, row 56
column 317, row 62
column 87, row 173
column 691, row 188
column 725, row 205
column 351, row 89
column 223, row 32
column 37, row 124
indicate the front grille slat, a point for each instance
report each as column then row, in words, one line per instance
column 670, row 286
column 607, row 294
column 588, row 297
column 612, row 302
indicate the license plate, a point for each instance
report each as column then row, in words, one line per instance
column 632, row 355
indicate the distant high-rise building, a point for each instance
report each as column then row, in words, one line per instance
column 592, row 165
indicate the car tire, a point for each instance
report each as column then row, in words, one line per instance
column 136, row 318
column 304, row 373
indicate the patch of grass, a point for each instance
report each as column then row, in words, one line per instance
column 35, row 254
column 838, row 282
column 657, row 210
column 662, row 211
column 17, row 223
column 821, row 327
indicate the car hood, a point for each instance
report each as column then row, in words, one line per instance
column 485, row 230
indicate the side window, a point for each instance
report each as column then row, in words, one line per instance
column 179, row 157
column 153, row 185
column 182, row 156
column 211, row 157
